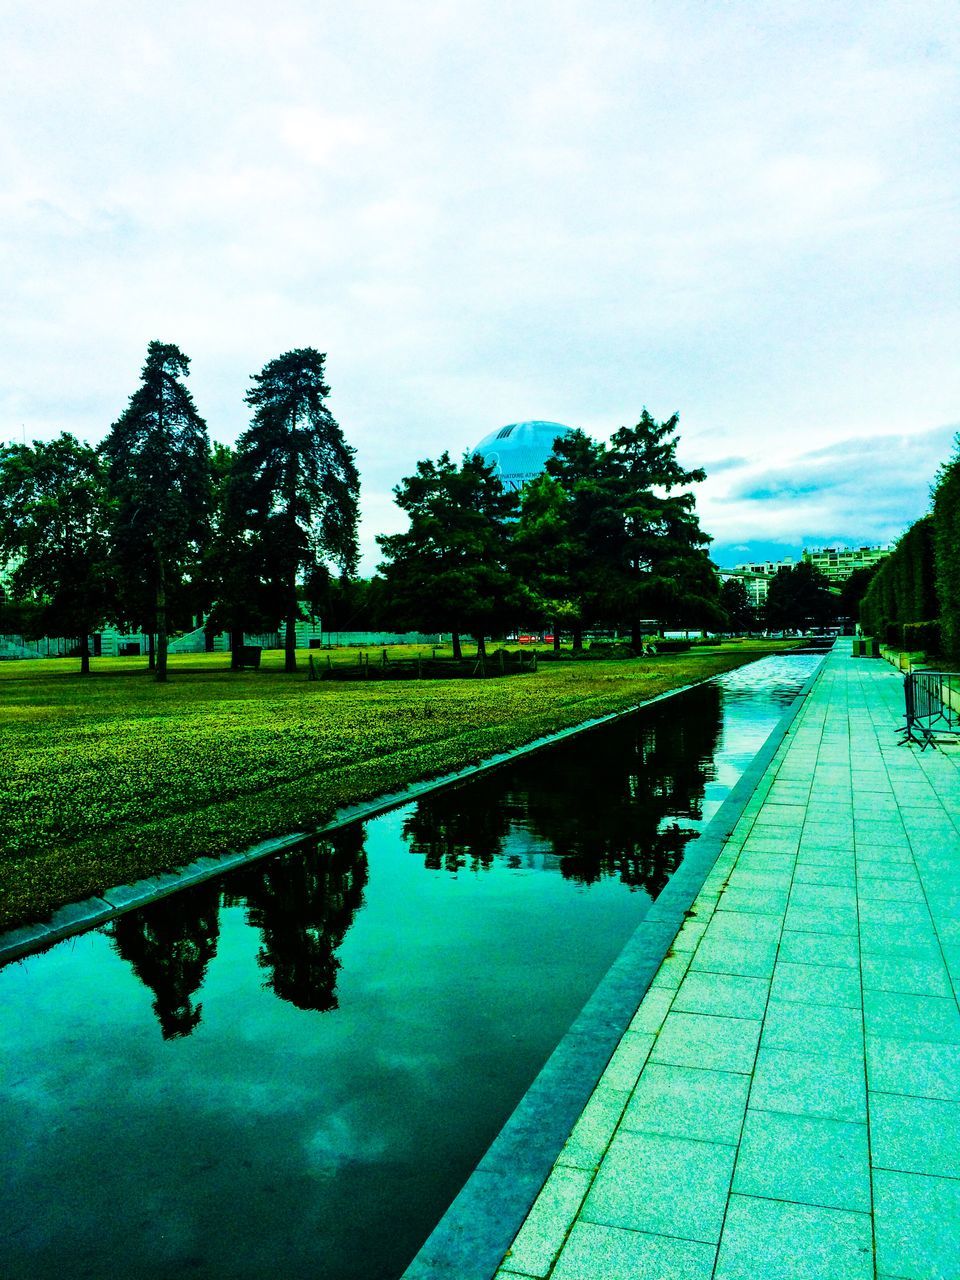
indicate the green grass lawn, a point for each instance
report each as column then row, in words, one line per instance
column 111, row 778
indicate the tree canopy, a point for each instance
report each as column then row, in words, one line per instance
column 158, row 461
column 294, row 483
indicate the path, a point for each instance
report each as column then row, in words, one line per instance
column 786, row 1102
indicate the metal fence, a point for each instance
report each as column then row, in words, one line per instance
column 932, row 701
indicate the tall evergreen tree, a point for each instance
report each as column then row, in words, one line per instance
column 449, row 569
column 158, row 459
column 53, row 534
column 665, row 571
column 739, row 613
column 798, row 596
column 295, row 481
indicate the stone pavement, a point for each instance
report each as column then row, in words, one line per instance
column 786, row 1102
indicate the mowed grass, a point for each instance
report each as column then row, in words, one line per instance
column 108, row 779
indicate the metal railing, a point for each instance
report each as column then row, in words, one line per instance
column 932, row 700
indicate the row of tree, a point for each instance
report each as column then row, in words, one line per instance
column 607, row 535
column 157, row 527
column 913, row 599
column 155, row 523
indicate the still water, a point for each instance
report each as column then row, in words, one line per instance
column 290, row 1072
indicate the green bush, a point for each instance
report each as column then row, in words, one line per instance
column 893, row 635
column 921, row 637
column 672, row 646
column 904, row 587
column 946, row 539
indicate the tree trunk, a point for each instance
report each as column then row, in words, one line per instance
column 161, row 674
column 151, row 652
column 290, row 632
column 481, row 646
column 85, row 655
column 236, row 649
column 556, row 639
column 636, row 638
column 457, row 649
column 577, row 638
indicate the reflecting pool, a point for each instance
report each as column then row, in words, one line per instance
column 291, row 1071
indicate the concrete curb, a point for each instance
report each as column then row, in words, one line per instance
column 77, row 917
column 472, row 1237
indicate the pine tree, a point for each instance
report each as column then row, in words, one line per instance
column 158, row 459
column 449, row 570
column 295, row 481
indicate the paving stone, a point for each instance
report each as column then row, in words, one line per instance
column 627, row 1061
column 686, row 1102
column 822, row 919
column 893, row 938
column 922, row 1068
column 816, row 984
column 813, row 1028
column 908, row 975
column 915, row 1135
column 723, row 994
column 755, row 901
column 770, row 1240
column 596, row 1252
column 653, row 1009
column 911, row 1017
column 547, row 1225
column 842, row 877
column 665, row 1186
column 805, row 1159
column 917, row 1223
column 750, row 959
column 670, row 974
column 595, row 1127
column 906, row 915
column 700, row 1040
column 809, row 1084
column 833, row 950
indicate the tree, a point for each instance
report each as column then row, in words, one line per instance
column 158, row 460
column 665, row 571
column 591, row 531
column 739, row 612
column 798, row 596
column 854, row 588
column 449, row 568
column 946, row 541
column 53, row 534
column 542, row 556
column 295, row 482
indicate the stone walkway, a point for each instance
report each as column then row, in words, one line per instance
column 786, row 1102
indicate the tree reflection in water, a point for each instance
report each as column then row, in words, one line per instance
column 304, row 903
column 618, row 802
column 614, row 803
column 169, row 945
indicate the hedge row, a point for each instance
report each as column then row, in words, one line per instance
column 913, row 601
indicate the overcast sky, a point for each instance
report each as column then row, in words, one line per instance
column 486, row 212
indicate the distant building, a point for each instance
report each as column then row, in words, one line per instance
column 837, row 563
column 519, row 452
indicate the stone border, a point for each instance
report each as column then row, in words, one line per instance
column 474, row 1234
column 78, row 917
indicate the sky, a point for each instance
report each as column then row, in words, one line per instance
column 490, row 212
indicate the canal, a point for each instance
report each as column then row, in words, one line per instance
column 291, row 1071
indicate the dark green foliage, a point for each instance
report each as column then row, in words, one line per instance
column 158, row 461
column 739, row 613
column 449, row 570
column 853, row 589
column 946, row 539
column 294, row 488
column 798, row 597
column 53, row 537
column 921, row 637
column 903, row 586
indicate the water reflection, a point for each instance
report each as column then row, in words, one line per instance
column 169, row 946
column 303, row 904
column 624, row 802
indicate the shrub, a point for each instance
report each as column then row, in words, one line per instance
column 921, row 637
column 893, row 635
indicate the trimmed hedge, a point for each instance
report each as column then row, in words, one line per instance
column 921, row 637
column 946, row 539
column 904, row 587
